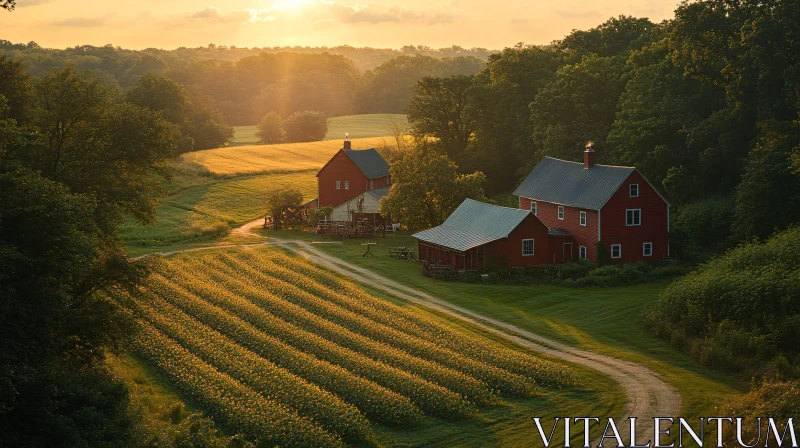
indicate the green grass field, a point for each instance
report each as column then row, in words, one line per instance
column 358, row 126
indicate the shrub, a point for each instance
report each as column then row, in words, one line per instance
column 270, row 128
column 739, row 312
column 306, row 126
column 777, row 399
column 703, row 228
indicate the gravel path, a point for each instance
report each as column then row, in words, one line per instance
column 648, row 395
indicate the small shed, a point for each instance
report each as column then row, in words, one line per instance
column 479, row 235
column 363, row 206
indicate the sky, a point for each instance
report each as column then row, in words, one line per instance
column 168, row 24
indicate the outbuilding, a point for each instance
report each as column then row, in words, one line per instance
column 479, row 235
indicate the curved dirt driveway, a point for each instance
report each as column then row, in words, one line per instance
column 648, row 395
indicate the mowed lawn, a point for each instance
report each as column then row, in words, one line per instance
column 605, row 320
column 358, row 126
column 282, row 157
column 209, row 210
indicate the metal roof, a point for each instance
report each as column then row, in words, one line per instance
column 378, row 193
column 569, row 183
column 369, row 161
column 474, row 224
column 557, row 232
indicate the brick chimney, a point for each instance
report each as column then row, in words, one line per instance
column 347, row 141
column 589, row 156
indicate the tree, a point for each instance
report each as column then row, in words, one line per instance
column 306, row 126
column 439, row 109
column 197, row 126
column 15, row 88
column 270, row 128
column 427, row 187
column 8, row 4
column 283, row 204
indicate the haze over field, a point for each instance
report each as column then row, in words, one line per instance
column 248, row 23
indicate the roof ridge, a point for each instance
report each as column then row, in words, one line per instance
column 596, row 164
column 496, row 205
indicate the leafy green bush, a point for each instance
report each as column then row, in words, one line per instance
column 270, row 128
column 703, row 228
column 779, row 399
column 739, row 312
column 306, row 126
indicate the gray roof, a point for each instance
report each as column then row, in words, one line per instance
column 568, row 183
column 369, row 161
column 474, row 224
column 378, row 193
column 557, row 232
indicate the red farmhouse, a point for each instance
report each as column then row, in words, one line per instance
column 477, row 235
column 349, row 173
column 612, row 204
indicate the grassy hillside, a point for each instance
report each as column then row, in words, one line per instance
column 278, row 158
column 358, row 126
column 251, row 345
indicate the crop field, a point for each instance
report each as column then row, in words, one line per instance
column 358, row 126
column 274, row 348
column 278, row 158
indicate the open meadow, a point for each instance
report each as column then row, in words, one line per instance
column 276, row 349
column 358, row 126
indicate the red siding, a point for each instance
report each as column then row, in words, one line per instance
column 547, row 212
column 654, row 227
column 340, row 168
column 510, row 248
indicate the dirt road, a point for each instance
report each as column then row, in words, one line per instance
column 648, row 395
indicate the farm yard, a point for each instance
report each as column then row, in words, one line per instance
column 250, row 335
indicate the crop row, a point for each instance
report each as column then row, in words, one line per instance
column 250, row 369
column 377, row 402
column 348, row 295
column 506, row 382
column 431, row 398
column 262, row 420
column 474, row 390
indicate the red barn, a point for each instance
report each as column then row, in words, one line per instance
column 349, row 173
column 478, row 235
column 612, row 204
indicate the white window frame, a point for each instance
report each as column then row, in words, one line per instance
column 533, row 247
column 619, row 248
column 630, row 190
column 534, row 207
column 347, row 185
column 582, row 253
column 561, row 212
column 644, row 250
column 633, row 210
column 583, row 219
column 338, row 185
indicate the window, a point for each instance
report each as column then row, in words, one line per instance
column 633, row 217
column 647, row 249
column 527, row 248
column 338, row 185
column 561, row 212
column 533, row 207
column 616, row 251
column 347, row 185
column 583, row 219
column 582, row 252
column 634, row 190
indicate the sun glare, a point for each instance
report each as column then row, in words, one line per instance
column 293, row 4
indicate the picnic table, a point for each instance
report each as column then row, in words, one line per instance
column 402, row 253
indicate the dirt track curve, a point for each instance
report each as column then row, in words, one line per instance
column 648, row 395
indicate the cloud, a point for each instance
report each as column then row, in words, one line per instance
column 580, row 14
column 27, row 3
column 209, row 14
column 84, row 22
column 373, row 15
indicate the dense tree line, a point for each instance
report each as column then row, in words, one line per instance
column 239, row 85
column 75, row 160
column 706, row 106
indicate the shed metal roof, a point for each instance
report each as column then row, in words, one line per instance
column 378, row 193
column 369, row 161
column 474, row 224
column 569, row 183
